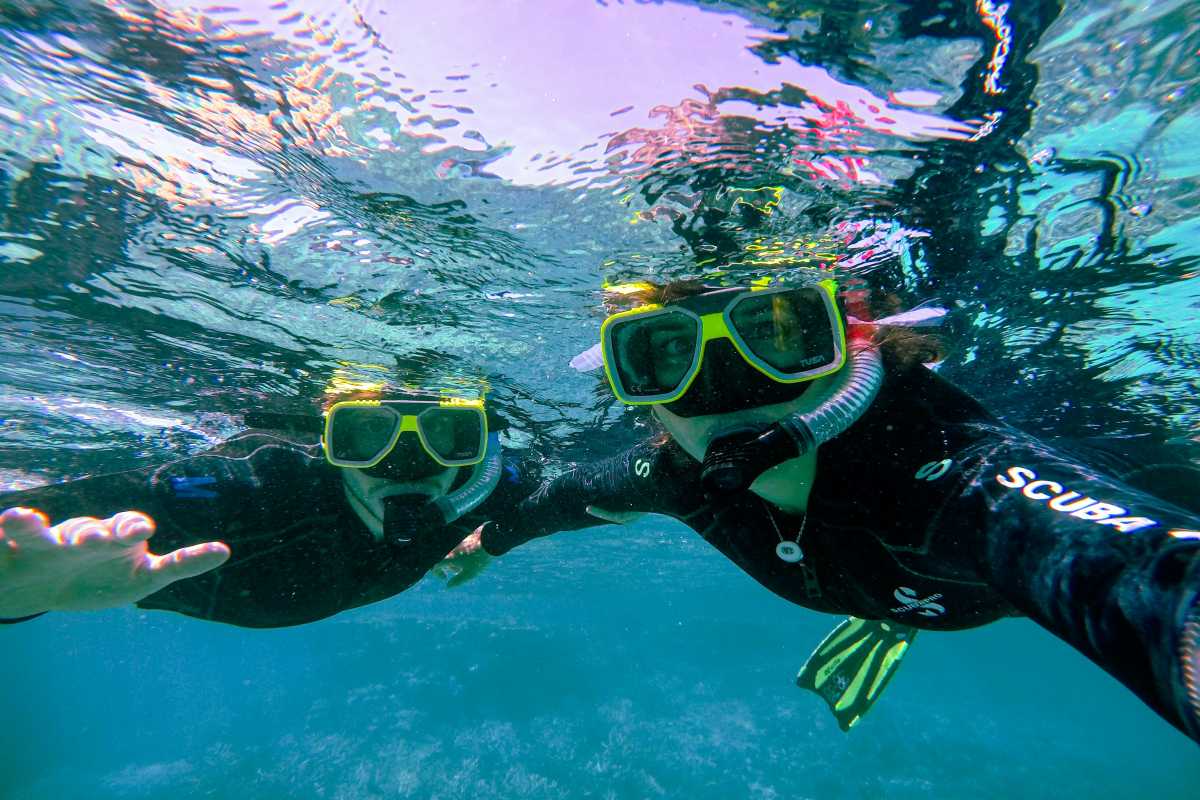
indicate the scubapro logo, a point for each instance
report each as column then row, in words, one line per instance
column 925, row 606
column 641, row 468
column 1065, row 501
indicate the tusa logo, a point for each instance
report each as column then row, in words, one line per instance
column 1066, row 501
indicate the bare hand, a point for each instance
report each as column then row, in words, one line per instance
column 465, row 561
column 85, row 563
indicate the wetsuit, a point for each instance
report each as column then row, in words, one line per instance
column 299, row 552
column 931, row 512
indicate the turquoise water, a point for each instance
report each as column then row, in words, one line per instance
column 208, row 210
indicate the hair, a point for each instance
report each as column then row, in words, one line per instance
column 901, row 347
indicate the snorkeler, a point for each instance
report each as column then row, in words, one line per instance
column 818, row 453
column 314, row 515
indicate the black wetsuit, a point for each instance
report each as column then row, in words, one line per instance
column 932, row 513
column 299, row 551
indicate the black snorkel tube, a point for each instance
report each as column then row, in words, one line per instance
column 732, row 462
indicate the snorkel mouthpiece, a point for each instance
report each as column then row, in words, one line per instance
column 734, row 461
column 407, row 516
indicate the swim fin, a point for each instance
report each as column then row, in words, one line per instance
column 852, row 665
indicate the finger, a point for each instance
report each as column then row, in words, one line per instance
column 22, row 523
column 29, row 529
column 130, row 527
column 468, row 546
column 187, row 562
column 81, row 531
column 615, row 517
column 459, row 551
column 22, row 518
column 469, row 568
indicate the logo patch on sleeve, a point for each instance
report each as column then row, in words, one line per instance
column 1065, row 501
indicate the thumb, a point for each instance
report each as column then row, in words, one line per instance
column 616, row 517
column 187, row 562
column 470, row 568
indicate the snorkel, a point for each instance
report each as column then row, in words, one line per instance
column 732, row 386
column 408, row 514
column 485, row 476
column 732, row 462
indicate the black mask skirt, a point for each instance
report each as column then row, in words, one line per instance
column 408, row 461
column 727, row 384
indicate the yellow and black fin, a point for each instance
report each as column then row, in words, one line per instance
column 852, row 665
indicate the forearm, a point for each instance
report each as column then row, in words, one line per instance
column 559, row 505
column 585, row 496
column 1111, row 570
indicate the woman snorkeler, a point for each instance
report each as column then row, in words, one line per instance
column 816, row 451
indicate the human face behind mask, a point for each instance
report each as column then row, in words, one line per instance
column 400, row 455
column 725, row 350
column 726, row 359
column 722, row 368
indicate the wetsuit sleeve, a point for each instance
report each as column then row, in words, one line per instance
column 100, row 497
column 191, row 500
column 1112, row 570
column 651, row 477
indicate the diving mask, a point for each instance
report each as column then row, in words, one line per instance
column 792, row 335
column 362, row 433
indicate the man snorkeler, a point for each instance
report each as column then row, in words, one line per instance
column 314, row 516
column 825, row 460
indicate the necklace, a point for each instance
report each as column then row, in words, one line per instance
column 788, row 551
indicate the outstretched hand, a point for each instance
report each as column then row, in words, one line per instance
column 465, row 561
column 85, row 564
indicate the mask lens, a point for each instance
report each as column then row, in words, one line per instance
column 792, row 332
column 360, row 434
column 653, row 355
column 455, row 435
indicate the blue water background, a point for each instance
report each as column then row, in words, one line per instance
column 572, row 668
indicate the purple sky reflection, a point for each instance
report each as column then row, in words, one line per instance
column 545, row 78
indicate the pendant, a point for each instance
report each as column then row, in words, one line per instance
column 789, row 552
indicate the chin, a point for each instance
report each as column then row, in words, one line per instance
column 695, row 433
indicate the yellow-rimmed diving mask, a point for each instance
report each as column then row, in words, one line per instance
column 362, row 433
column 652, row 354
